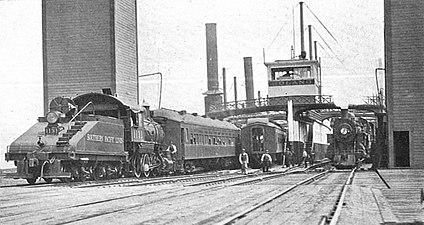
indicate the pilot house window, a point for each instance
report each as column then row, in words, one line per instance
column 290, row 73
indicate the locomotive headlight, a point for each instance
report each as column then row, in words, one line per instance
column 344, row 131
column 52, row 117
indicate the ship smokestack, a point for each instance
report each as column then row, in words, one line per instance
column 224, row 86
column 302, row 35
column 213, row 95
column 212, row 56
column 248, row 75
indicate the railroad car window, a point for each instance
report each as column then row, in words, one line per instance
column 210, row 141
column 186, row 137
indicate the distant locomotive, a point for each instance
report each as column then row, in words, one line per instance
column 259, row 135
column 351, row 140
column 97, row 136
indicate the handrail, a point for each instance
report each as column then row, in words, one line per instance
column 79, row 112
column 270, row 101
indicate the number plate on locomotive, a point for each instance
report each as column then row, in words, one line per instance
column 52, row 130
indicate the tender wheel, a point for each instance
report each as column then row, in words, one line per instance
column 65, row 180
column 31, row 180
column 100, row 173
column 48, row 180
column 146, row 165
column 189, row 167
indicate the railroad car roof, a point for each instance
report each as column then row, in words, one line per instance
column 183, row 117
column 261, row 123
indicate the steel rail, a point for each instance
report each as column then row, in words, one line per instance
column 268, row 200
column 332, row 220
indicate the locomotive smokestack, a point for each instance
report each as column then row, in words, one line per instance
column 344, row 114
column 213, row 97
column 248, row 75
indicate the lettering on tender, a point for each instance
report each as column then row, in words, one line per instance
column 106, row 139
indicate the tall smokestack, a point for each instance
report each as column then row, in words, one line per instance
column 213, row 95
column 248, row 75
column 212, row 56
column 302, row 35
column 224, row 86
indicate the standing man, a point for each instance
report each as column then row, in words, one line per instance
column 305, row 157
column 172, row 149
column 244, row 160
column 289, row 158
column 266, row 161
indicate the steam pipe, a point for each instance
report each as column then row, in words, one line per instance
column 376, row 78
column 160, row 87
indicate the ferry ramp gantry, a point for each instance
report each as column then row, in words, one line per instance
column 301, row 103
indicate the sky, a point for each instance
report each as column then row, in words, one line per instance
column 172, row 41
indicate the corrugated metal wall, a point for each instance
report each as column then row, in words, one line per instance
column 88, row 46
column 404, row 52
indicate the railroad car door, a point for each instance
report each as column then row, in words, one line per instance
column 257, row 139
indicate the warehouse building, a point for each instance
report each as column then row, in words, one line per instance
column 404, row 53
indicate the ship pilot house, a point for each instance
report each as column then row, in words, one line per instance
column 293, row 77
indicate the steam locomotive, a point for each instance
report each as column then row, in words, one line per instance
column 97, row 136
column 351, row 140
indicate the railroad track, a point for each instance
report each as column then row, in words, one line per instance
column 232, row 219
column 334, row 215
column 130, row 181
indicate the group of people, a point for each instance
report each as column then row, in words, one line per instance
column 266, row 160
column 306, row 157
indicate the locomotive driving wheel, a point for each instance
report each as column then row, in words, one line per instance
column 145, row 165
column 136, row 162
